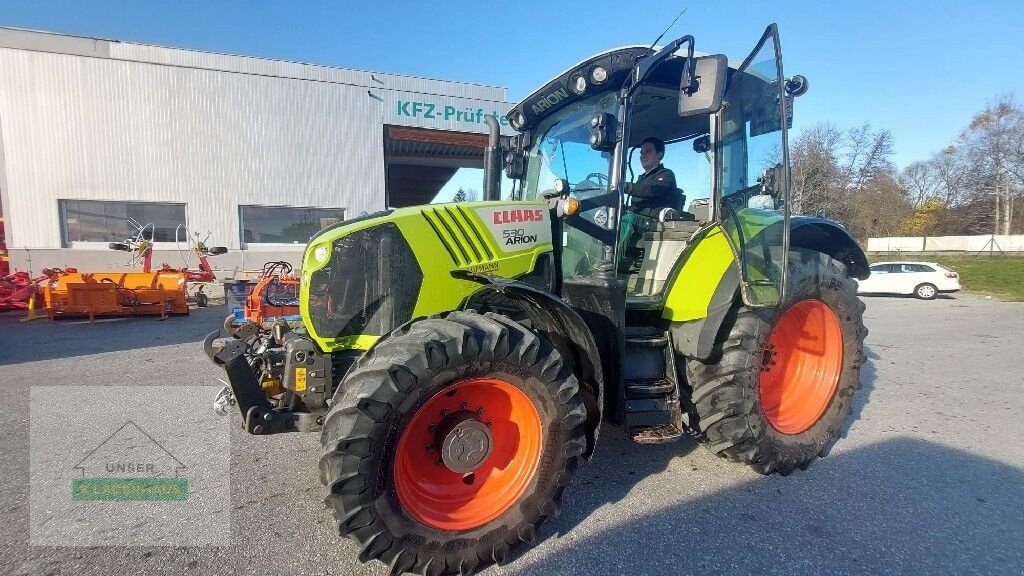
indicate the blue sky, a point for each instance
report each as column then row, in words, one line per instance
column 921, row 69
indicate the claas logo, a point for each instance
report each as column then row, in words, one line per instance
column 511, row 216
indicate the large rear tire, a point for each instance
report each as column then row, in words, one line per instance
column 782, row 385
column 450, row 442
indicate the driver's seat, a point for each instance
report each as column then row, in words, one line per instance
column 662, row 245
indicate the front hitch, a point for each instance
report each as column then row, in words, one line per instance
column 259, row 416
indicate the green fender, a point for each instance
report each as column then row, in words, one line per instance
column 706, row 287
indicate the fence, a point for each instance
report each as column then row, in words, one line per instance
column 987, row 242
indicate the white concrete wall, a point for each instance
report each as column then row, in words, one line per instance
column 896, row 244
column 1014, row 243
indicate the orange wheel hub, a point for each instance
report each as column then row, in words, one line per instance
column 468, row 454
column 800, row 366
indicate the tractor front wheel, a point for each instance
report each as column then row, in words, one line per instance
column 782, row 386
column 450, row 441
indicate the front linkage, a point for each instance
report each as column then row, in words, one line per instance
column 278, row 379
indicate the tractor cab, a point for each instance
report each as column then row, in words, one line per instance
column 724, row 128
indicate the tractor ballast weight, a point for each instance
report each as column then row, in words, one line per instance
column 458, row 359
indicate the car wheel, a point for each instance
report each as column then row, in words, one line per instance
column 926, row 291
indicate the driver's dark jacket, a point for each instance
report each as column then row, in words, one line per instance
column 653, row 191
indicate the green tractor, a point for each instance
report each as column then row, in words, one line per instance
column 459, row 359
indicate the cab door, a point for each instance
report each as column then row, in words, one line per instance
column 752, row 190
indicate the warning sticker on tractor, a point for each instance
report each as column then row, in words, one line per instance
column 300, row 379
column 516, row 228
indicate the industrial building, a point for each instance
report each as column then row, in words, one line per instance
column 257, row 153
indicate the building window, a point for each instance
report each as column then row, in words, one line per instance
column 284, row 224
column 94, row 221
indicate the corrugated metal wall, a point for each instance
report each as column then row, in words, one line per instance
column 209, row 130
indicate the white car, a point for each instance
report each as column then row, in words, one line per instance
column 925, row 280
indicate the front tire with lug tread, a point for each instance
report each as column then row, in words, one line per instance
column 373, row 454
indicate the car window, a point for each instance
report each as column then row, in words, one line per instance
column 880, row 268
column 916, row 268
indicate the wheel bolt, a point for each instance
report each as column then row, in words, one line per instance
column 463, row 406
column 480, row 410
column 489, row 424
column 432, row 428
column 444, row 412
column 430, row 448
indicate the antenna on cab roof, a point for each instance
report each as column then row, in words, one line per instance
column 658, row 39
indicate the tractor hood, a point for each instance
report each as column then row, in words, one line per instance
column 363, row 278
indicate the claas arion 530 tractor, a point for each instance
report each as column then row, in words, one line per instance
column 458, row 359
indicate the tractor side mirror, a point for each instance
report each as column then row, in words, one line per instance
column 701, row 92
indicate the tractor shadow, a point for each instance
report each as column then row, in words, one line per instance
column 72, row 337
column 619, row 465
column 903, row 506
column 868, row 376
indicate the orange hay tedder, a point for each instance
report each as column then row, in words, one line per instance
column 160, row 292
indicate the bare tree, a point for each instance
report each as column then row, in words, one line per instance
column 849, row 176
column 922, row 181
column 992, row 144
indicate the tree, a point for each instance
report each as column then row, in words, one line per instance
column 922, row 181
column 848, row 176
column 994, row 145
column 926, row 219
column 466, row 195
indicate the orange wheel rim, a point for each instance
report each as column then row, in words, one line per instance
column 468, row 454
column 800, row 366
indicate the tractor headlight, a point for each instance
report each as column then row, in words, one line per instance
column 578, row 84
column 321, row 253
column 517, row 120
column 598, row 75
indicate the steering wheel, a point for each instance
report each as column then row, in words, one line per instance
column 601, row 179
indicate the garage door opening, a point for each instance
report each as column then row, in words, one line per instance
column 423, row 165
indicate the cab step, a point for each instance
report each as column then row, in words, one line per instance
column 652, row 411
column 658, row 434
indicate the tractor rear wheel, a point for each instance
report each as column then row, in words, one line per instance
column 783, row 384
column 450, row 441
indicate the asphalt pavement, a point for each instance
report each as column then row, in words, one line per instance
column 929, row 478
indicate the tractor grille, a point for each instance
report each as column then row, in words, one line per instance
column 370, row 286
column 461, row 238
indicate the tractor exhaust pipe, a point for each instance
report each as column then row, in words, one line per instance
column 492, row 160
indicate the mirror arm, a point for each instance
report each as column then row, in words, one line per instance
column 644, row 67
